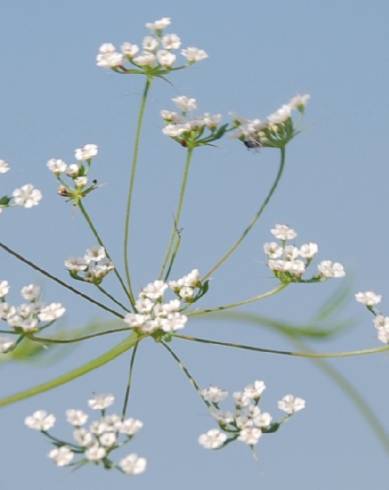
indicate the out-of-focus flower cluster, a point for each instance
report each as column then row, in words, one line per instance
column 191, row 131
column 29, row 317
column 289, row 262
column 155, row 57
column 26, row 196
column 370, row 299
column 93, row 444
column 92, row 267
column 76, row 173
column 275, row 131
column 247, row 422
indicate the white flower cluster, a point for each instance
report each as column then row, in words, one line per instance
column 370, row 299
column 95, row 443
column 187, row 130
column 92, row 267
column 153, row 314
column 26, row 196
column 187, row 286
column 289, row 262
column 157, row 52
column 247, row 422
column 276, row 130
column 78, row 172
column 28, row 317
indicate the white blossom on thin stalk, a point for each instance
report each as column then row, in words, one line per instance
column 108, row 57
column 40, row 420
column 213, row 439
column 51, row 312
column 4, row 167
column 368, row 298
column 329, row 269
column 4, row 288
column 101, row 401
column 62, row 456
column 184, row 103
column 31, row 292
column 283, row 232
column 95, row 453
column 76, row 417
column 214, row 394
column 158, row 25
column 86, row 152
column 133, row 464
column 130, row 49
column 193, row 55
column 291, row 404
column 57, row 166
column 171, row 41
column 26, row 196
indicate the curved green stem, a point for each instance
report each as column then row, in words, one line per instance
column 134, row 165
column 58, row 281
column 253, row 299
column 99, row 361
column 256, row 217
column 187, row 373
column 129, row 383
column 45, row 340
column 177, row 217
column 101, row 243
column 308, row 355
column 112, row 298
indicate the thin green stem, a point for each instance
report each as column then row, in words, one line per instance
column 134, row 164
column 45, row 340
column 308, row 355
column 9, row 332
column 229, row 306
column 58, row 281
column 187, row 373
column 112, row 298
column 256, row 217
column 128, row 388
column 99, row 361
column 176, row 224
column 91, row 225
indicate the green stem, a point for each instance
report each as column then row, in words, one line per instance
column 256, row 217
column 177, row 217
column 101, row 243
column 58, row 281
column 112, row 298
column 186, row 371
column 131, row 185
column 128, row 388
column 45, row 340
column 105, row 358
column 308, row 355
column 229, row 306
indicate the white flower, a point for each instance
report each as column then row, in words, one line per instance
column 255, row 390
column 193, row 55
column 108, row 57
column 214, row 394
column 62, row 456
column 76, row 417
column 280, row 115
column 291, row 252
column 83, row 438
column 381, row 321
column 4, row 288
column 4, row 167
column 171, row 41
column 283, row 232
column 211, row 120
column 191, row 280
column 129, row 49
column 6, row 344
column 250, row 435
column 329, row 269
column 31, row 292
column 130, row 427
column 383, row 335
column 98, row 427
column 184, row 103
column 95, row 254
column 158, row 25
column 154, row 290
column 241, row 400
column 309, row 250
column 26, row 196
column 170, row 116
column 291, row 404
column 133, row 464
column 73, row 170
column 175, row 130
column 86, row 152
column 51, row 312
column 174, row 321
column 150, row 43
column 299, row 101
column 368, row 298
column 186, row 293
column 101, row 401
column 95, row 453
column 76, row 264
column 145, row 59
column 295, row 267
column 40, row 420
column 213, row 439
column 108, row 439
column 261, row 419
column 81, row 181
column 165, row 58
column 56, row 166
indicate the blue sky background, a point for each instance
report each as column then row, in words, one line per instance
column 54, row 99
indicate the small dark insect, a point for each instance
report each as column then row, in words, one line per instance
column 252, row 143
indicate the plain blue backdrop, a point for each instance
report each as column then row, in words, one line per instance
column 54, row 99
